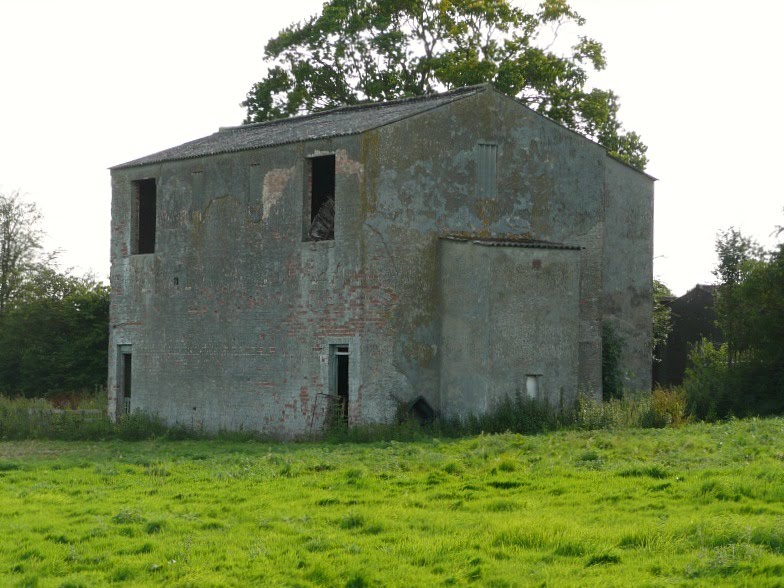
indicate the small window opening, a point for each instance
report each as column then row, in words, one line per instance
column 533, row 386
column 322, row 198
column 143, row 229
column 340, row 382
column 126, row 383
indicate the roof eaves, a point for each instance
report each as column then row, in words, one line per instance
column 141, row 160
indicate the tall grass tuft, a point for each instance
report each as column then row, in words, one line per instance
column 36, row 419
column 512, row 414
column 407, row 430
column 25, row 418
column 661, row 408
column 516, row 414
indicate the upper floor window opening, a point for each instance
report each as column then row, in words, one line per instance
column 143, row 216
column 321, row 219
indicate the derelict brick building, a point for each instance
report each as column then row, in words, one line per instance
column 457, row 247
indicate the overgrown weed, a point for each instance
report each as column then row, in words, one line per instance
column 653, row 410
column 25, row 418
column 36, row 419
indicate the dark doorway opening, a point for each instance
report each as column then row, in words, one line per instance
column 144, row 233
column 126, row 383
column 420, row 410
column 340, row 380
column 322, row 198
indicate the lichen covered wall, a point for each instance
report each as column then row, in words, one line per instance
column 230, row 321
column 423, row 183
column 508, row 313
column 627, row 295
column 231, row 318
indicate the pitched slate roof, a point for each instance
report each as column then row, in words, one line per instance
column 337, row 122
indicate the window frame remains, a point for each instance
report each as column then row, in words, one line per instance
column 340, row 379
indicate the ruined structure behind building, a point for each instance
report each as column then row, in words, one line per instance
column 693, row 317
column 438, row 252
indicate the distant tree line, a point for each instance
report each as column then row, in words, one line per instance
column 53, row 325
column 744, row 375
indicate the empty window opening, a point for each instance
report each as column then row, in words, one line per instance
column 533, row 386
column 125, row 392
column 143, row 215
column 340, row 381
column 322, row 198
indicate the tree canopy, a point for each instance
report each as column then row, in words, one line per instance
column 750, row 304
column 360, row 50
column 20, row 243
column 746, row 374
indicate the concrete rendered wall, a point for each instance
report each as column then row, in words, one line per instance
column 627, row 296
column 507, row 312
column 230, row 320
column 421, row 181
column 241, row 340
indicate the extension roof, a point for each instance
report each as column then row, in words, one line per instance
column 509, row 241
column 336, row 122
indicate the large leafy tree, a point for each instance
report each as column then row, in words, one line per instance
column 54, row 327
column 358, row 50
column 20, row 243
column 739, row 258
column 750, row 311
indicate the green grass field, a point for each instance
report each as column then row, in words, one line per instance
column 698, row 505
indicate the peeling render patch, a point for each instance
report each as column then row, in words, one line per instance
column 275, row 182
column 346, row 166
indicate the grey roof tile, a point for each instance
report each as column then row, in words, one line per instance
column 337, row 122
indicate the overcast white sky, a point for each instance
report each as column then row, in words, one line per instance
column 90, row 84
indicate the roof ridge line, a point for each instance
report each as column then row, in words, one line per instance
column 359, row 106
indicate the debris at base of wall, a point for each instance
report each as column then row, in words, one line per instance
column 323, row 226
column 420, row 409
